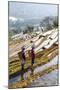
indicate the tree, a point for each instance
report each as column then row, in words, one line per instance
column 47, row 22
column 10, row 34
column 28, row 29
column 55, row 22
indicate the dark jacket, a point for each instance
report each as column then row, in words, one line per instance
column 23, row 55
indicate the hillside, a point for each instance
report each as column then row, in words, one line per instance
column 46, row 49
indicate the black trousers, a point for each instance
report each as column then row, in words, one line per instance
column 22, row 67
column 32, row 61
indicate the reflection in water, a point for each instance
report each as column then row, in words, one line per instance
column 54, row 61
column 22, row 73
column 32, row 70
column 46, row 80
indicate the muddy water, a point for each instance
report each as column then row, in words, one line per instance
column 54, row 61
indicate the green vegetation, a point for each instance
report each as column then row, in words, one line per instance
column 28, row 29
column 10, row 35
column 55, row 22
column 49, row 22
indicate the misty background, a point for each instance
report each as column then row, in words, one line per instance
column 24, row 16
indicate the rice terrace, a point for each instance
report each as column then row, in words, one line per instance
column 33, row 45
